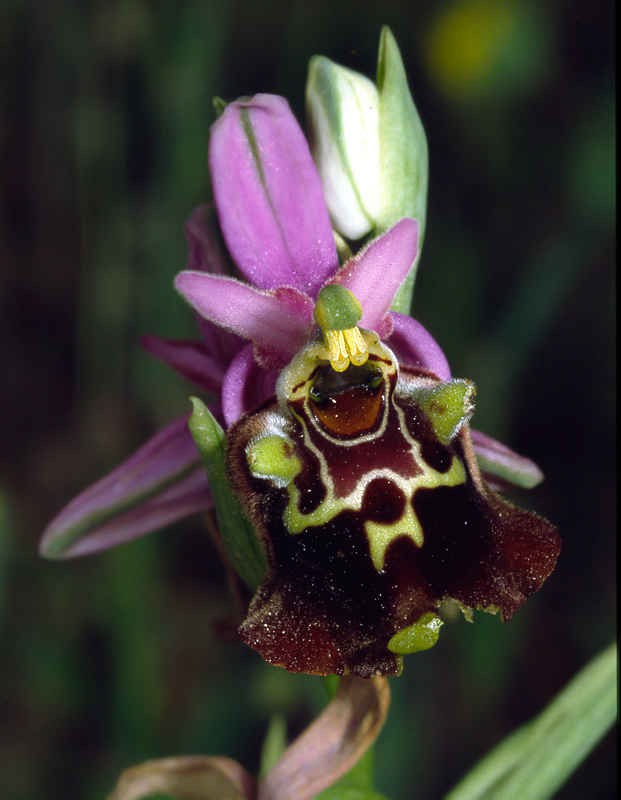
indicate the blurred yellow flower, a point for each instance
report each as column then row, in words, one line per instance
column 466, row 42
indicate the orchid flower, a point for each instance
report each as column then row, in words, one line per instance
column 348, row 449
column 350, row 493
column 164, row 481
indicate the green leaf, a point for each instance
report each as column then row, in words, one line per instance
column 239, row 537
column 539, row 757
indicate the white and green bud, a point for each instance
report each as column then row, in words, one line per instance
column 370, row 148
column 343, row 113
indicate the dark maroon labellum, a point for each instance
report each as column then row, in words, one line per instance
column 366, row 493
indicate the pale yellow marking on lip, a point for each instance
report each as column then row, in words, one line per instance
column 380, row 535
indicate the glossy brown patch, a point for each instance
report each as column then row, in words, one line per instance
column 349, row 403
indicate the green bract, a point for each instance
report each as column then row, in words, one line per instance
column 238, row 535
column 404, row 161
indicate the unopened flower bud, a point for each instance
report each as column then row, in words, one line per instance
column 343, row 116
column 370, row 148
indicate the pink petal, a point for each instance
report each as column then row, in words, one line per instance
column 503, row 467
column 335, row 741
column 162, row 482
column 188, row 358
column 414, row 346
column 246, row 385
column 375, row 273
column 279, row 321
column 269, row 197
column 189, row 495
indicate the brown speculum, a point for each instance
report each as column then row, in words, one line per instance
column 347, row 404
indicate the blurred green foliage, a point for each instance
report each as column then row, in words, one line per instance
column 105, row 109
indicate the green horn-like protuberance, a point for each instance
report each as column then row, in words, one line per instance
column 448, row 406
column 420, row 636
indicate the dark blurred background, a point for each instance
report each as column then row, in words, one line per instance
column 104, row 120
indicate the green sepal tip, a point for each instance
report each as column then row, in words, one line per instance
column 219, row 105
column 518, row 471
